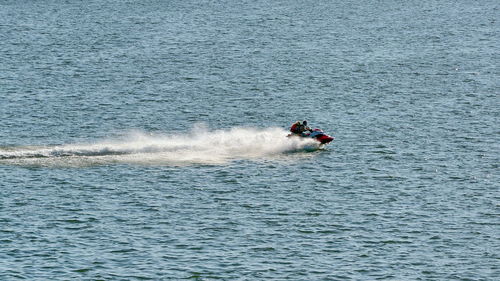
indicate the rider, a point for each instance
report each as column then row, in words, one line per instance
column 299, row 128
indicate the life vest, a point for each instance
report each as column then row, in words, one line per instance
column 295, row 128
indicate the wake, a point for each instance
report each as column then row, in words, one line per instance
column 198, row 146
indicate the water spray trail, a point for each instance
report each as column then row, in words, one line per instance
column 198, row 146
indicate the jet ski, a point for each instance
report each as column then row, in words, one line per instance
column 316, row 134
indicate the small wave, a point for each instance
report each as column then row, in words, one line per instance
column 198, row 146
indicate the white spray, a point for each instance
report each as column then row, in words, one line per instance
column 198, row 146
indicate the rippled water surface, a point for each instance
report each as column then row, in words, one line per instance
column 146, row 140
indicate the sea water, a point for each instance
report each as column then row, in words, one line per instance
column 146, row 140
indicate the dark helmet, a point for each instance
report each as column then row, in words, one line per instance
column 304, row 122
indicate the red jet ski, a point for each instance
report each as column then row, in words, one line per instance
column 316, row 134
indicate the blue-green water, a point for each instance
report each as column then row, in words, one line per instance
column 146, row 140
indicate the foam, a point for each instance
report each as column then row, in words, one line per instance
column 197, row 146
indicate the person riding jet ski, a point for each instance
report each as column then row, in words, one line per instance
column 299, row 128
